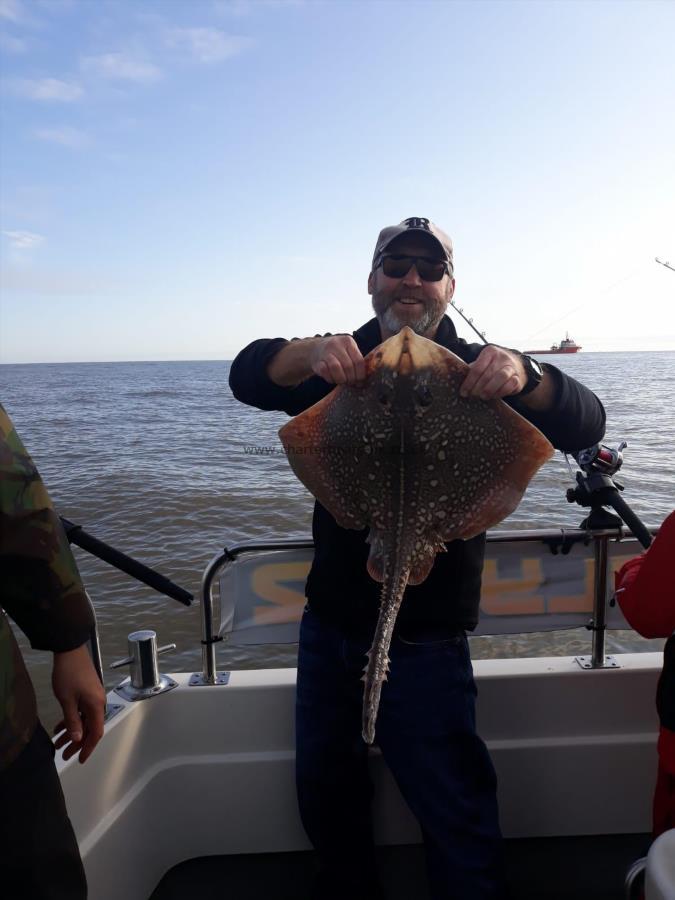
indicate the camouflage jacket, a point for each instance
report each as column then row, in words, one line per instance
column 40, row 587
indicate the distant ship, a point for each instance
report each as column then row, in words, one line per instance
column 568, row 345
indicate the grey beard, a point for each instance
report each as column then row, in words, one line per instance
column 393, row 324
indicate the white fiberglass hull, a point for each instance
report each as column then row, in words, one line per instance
column 202, row 771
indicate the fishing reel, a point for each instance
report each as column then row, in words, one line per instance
column 601, row 458
column 596, row 488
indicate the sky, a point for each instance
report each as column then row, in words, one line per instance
column 178, row 179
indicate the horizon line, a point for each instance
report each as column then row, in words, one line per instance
column 105, row 362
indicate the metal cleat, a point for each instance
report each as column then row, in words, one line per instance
column 145, row 680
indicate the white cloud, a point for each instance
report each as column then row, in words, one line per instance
column 65, row 136
column 207, row 45
column 122, row 66
column 23, row 240
column 11, row 44
column 19, row 13
column 47, row 89
column 11, row 10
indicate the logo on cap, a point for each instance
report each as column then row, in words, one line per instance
column 417, row 223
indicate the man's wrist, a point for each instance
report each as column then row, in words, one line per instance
column 534, row 374
column 543, row 397
column 292, row 364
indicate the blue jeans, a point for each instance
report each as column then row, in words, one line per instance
column 426, row 732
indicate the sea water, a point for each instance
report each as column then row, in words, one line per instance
column 159, row 460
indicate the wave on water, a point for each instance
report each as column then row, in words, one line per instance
column 173, row 483
column 149, row 394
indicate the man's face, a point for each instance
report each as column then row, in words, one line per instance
column 410, row 300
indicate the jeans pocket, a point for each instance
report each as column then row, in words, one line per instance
column 432, row 642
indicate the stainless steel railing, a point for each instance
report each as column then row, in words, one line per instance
column 561, row 536
column 217, row 564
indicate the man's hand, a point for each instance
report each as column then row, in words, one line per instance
column 337, row 359
column 77, row 687
column 496, row 373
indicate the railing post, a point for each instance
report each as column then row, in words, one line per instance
column 208, row 644
column 95, row 651
column 111, row 709
column 598, row 625
column 599, row 602
column 209, row 673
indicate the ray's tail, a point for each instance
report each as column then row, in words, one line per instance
column 375, row 673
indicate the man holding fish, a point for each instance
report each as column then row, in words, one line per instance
column 414, row 454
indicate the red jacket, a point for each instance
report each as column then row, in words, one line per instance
column 646, row 586
column 646, row 593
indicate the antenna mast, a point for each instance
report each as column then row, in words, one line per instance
column 666, row 263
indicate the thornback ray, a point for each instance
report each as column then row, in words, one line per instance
column 405, row 455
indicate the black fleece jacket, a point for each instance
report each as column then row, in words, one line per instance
column 338, row 587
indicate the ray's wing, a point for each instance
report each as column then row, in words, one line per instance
column 332, row 448
column 322, row 467
column 474, row 468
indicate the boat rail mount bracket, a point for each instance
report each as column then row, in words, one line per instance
column 144, row 681
column 197, row 679
column 209, row 676
column 587, row 662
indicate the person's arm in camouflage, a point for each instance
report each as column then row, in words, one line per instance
column 42, row 591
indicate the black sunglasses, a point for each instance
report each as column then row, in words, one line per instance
column 396, row 266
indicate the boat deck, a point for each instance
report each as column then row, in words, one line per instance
column 538, row 869
column 192, row 794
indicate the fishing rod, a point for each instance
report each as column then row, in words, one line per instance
column 118, row 560
column 666, row 263
column 481, row 334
